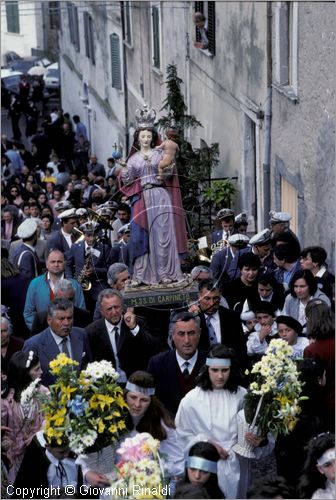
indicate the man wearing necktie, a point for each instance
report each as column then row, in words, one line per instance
column 59, row 337
column 120, row 336
column 219, row 325
column 226, row 218
column 175, row 371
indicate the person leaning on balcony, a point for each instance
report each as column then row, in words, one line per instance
column 202, row 27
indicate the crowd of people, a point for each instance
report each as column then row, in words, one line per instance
column 76, row 235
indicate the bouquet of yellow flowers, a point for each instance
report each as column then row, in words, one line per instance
column 139, row 473
column 272, row 402
column 86, row 409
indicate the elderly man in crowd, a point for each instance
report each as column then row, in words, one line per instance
column 60, row 336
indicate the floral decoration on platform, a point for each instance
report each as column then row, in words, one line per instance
column 32, row 394
column 139, row 473
column 85, row 409
column 272, row 402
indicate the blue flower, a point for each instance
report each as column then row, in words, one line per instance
column 77, row 406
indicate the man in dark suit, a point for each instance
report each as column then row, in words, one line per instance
column 120, row 337
column 226, row 218
column 221, row 260
column 59, row 337
column 218, row 324
column 64, row 238
column 175, row 371
column 90, row 260
column 9, row 225
column 64, row 289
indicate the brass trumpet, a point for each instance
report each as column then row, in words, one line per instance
column 217, row 247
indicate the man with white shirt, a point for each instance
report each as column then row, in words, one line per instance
column 120, row 337
column 59, row 337
column 175, row 371
column 48, row 465
column 41, row 289
column 219, row 325
column 64, row 238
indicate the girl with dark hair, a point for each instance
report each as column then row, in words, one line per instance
column 201, row 468
column 209, row 413
column 303, row 288
column 147, row 414
column 158, row 228
column 318, row 476
column 22, row 421
column 321, row 332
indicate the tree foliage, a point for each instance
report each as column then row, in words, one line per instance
column 194, row 164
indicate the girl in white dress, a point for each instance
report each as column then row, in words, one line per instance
column 209, row 413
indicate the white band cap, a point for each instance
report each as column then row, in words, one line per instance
column 223, row 362
column 147, row 391
column 328, row 456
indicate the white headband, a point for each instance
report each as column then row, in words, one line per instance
column 201, row 464
column 148, row 391
column 223, row 362
column 30, row 358
column 328, row 456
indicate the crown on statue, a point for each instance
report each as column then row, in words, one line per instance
column 145, row 117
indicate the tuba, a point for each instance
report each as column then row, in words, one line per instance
column 85, row 283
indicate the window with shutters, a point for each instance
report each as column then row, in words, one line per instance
column 127, row 15
column 88, row 37
column 156, row 36
column 209, row 12
column 73, row 25
column 115, row 61
column 286, row 48
column 54, row 14
column 12, row 15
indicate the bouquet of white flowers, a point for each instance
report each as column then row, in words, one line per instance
column 272, row 399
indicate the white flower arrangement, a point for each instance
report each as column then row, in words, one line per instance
column 30, row 394
column 79, row 442
column 100, row 369
column 272, row 400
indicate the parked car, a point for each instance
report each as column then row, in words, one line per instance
column 51, row 78
column 10, row 82
column 26, row 63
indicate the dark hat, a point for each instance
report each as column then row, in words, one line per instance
column 265, row 307
column 290, row 322
column 225, row 213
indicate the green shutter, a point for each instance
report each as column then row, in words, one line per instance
column 115, row 61
column 12, row 14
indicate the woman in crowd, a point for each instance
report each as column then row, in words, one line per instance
column 314, row 258
column 22, row 421
column 147, row 414
column 158, row 229
column 201, row 468
column 321, row 332
column 15, row 197
column 303, row 288
column 209, row 413
column 318, row 477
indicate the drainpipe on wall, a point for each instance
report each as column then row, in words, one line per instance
column 268, row 121
column 127, row 146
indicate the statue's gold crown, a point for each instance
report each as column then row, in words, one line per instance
column 145, row 117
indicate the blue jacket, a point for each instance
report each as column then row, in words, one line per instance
column 45, row 347
column 38, row 298
column 27, row 261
